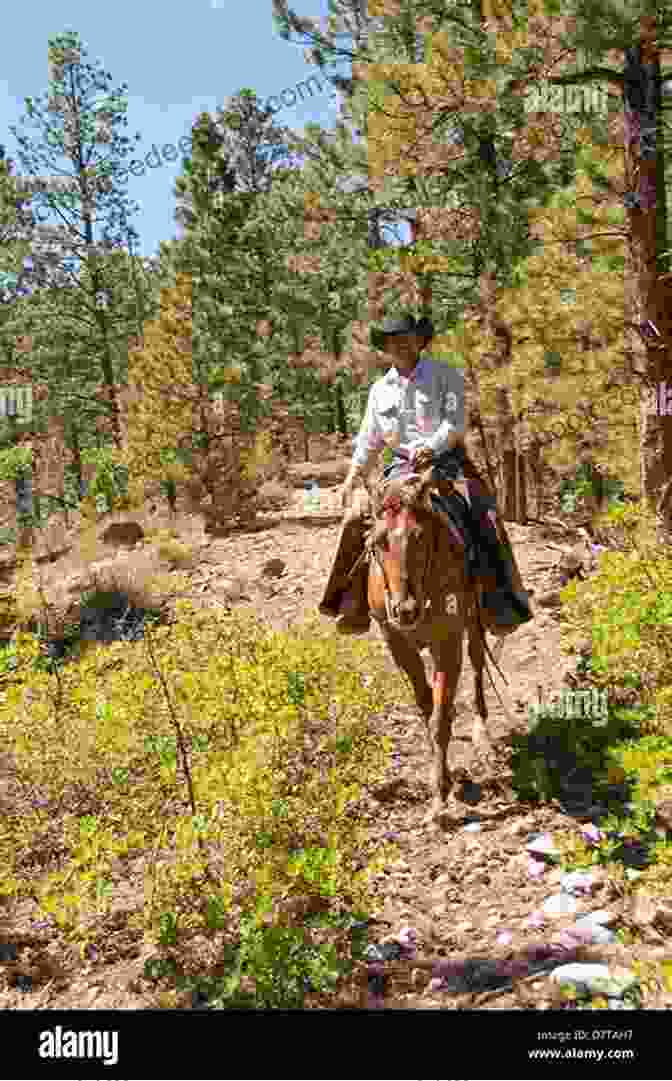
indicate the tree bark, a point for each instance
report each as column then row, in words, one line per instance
column 341, row 419
column 521, row 487
column 647, row 219
column 536, row 472
column 506, row 421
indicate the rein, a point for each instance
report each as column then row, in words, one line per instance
column 394, row 506
column 371, row 549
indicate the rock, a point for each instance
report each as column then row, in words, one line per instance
column 535, row 868
column 388, row 790
column 586, row 931
column 543, row 846
column 549, row 599
column 594, row 978
column 600, row 935
column 559, row 904
column 273, row 496
column 77, row 583
column 388, row 951
column 115, row 620
column 647, row 911
column 230, row 589
column 664, row 917
column 643, row 909
column 408, row 937
column 536, row 919
column 328, row 474
column 445, row 879
column 602, row 916
column 517, row 829
column 273, row 568
column 577, row 882
column 420, row 978
column 555, row 876
column 571, row 564
column 73, row 583
column 126, row 533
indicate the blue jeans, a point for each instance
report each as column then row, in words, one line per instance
column 476, row 519
column 484, row 553
column 447, row 465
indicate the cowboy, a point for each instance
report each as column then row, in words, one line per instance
column 417, row 410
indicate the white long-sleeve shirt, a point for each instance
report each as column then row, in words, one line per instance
column 405, row 412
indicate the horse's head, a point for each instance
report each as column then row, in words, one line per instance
column 403, row 543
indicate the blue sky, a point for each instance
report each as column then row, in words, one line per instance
column 177, row 60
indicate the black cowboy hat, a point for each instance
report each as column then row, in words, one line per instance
column 403, row 324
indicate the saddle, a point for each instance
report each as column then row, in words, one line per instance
column 487, row 552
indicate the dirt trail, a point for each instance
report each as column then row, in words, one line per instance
column 457, row 889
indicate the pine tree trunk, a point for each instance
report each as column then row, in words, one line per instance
column 341, row 419
column 535, row 469
column 647, row 219
column 506, row 422
column 77, row 462
column 507, row 476
column 521, row 488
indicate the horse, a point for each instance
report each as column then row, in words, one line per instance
column 420, row 592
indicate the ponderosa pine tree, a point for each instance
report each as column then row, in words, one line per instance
column 173, row 428
column 567, row 375
column 76, row 334
column 640, row 32
column 474, row 215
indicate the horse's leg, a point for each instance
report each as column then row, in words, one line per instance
column 411, row 663
column 447, row 657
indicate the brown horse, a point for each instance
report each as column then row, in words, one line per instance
column 420, row 594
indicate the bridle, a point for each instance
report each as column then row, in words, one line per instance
column 376, row 534
column 371, row 550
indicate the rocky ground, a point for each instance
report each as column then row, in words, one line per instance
column 468, row 916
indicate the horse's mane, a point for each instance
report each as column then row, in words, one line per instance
column 399, row 490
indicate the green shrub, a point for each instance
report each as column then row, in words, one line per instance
column 626, row 608
column 626, row 611
column 227, row 757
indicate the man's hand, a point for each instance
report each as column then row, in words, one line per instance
column 422, row 459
